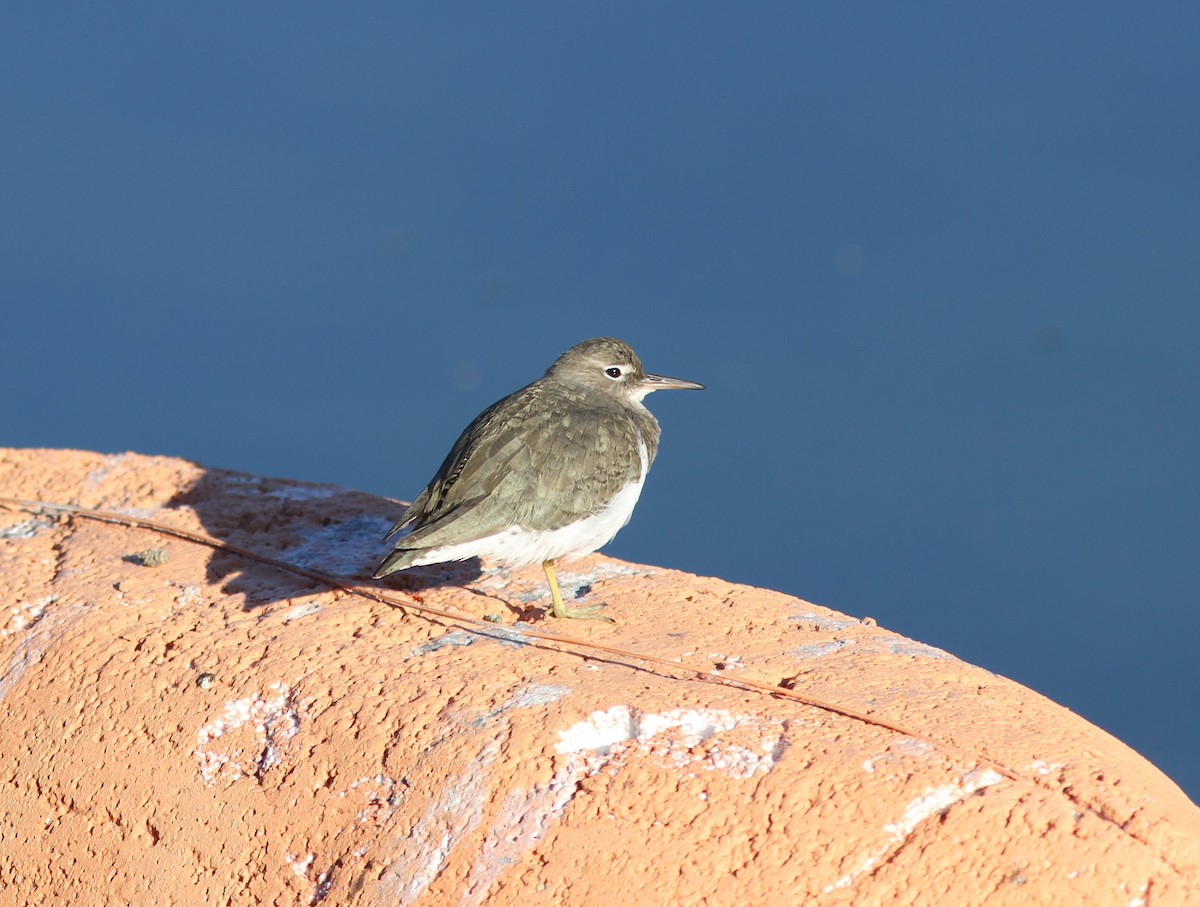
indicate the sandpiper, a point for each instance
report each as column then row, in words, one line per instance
column 549, row 473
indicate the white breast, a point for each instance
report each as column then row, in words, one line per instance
column 518, row 547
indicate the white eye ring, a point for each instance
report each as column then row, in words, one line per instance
column 613, row 372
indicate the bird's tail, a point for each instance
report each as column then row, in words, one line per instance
column 397, row 560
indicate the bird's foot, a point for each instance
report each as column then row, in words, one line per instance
column 558, row 609
column 586, row 612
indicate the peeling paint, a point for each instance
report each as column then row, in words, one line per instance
column 905, row 646
column 40, row 627
column 454, row 813
column 935, row 801
column 300, row 611
column 24, row 615
column 817, row 650
column 189, row 596
column 903, row 748
column 503, row 635
column 524, row 818
column 824, row 620
column 453, row 638
column 738, row 745
column 1042, row 767
column 274, row 721
column 26, row 529
column 535, row 694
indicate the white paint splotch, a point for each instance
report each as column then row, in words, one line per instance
column 450, row 817
column 37, row 626
column 738, row 745
column 685, row 740
column 935, row 801
column 24, row 615
column 524, row 818
column 267, row 721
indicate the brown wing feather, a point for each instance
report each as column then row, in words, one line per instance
column 491, row 480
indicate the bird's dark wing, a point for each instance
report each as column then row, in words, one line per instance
column 435, row 502
column 493, row 478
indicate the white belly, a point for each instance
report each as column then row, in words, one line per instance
column 518, row 547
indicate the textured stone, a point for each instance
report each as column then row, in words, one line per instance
column 214, row 730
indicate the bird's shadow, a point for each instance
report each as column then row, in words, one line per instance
column 460, row 574
column 320, row 527
column 415, row 580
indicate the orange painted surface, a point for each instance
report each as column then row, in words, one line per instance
column 215, row 731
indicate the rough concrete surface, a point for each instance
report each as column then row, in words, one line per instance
column 213, row 730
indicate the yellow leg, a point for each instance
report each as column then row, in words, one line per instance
column 558, row 609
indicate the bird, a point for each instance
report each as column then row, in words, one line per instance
column 549, row 473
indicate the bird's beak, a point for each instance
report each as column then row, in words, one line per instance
column 663, row 383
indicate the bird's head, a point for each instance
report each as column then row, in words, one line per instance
column 612, row 367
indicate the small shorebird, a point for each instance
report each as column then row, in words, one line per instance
column 551, row 472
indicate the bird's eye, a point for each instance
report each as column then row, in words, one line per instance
column 613, row 372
